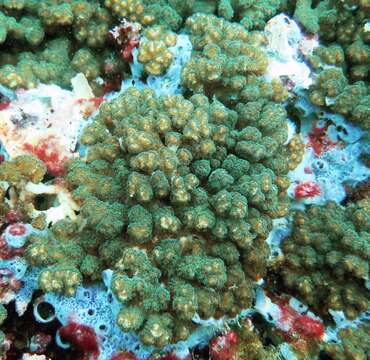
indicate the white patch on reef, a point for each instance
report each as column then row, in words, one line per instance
column 44, row 112
column 283, row 35
column 81, row 88
column 286, row 45
column 297, row 305
column 281, row 228
column 264, row 306
column 28, row 356
column 65, row 206
column 291, row 131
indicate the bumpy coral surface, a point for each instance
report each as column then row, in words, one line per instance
column 342, row 65
column 332, row 89
column 146, row 12
column 353, row 344
column 34, row 50
column 88, row 19
column 251, row 14
column 247, row 345
column 227, row 61
column 154, row 52
column 14, row 175
column 327, row 258
column 181, row 194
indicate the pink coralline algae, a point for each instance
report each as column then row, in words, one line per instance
column 223, row 347
column 306, row 189
column 82, row 337
column 49, row 151
column 295, row 323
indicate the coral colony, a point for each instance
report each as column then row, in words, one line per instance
column 184, row 180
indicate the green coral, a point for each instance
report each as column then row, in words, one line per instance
column 14, row 176
column 88, row 19
column 340, row 25
column 67, row 255
column 332, row 55
column 354, row 344
column 22, row 168
column 3, row 314
column 132, row 10
column 216, row 40
column 335, row 21
column 50, row 41
column 60, row 279
column 146, row 12
column 181, row 194
column 251, row 14
column 344, row 22
column 53, row 64
column 227, row 61
column 154, row 52
column 250, row 343
column 309, row 17
column 59, row 256
column 27, row 69
column 27, row 29
column 341, row 62
column 332, row 89
column 177, row 194
column 327, row 258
